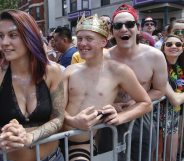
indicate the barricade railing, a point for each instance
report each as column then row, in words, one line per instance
column 125, row 146
column 156, row 120
column 108, row 156
column 157, row 105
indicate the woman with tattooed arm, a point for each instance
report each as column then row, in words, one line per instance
column 31, row 91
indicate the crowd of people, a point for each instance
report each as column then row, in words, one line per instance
column 110, row 75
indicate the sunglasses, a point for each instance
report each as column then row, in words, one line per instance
column 177, row 44
column 128, row 25
column 179, row 32
column 149, row 24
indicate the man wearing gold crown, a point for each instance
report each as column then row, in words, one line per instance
column 148, row 64
column 91, row 86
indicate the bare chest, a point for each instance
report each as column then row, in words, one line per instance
column 142, row 69
column 92, row 91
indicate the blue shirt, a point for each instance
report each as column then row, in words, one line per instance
column 66, row 58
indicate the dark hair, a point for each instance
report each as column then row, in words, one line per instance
column 64, row 32
column 181, row 57
column 31, row 36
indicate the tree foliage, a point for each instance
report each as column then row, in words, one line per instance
column 9, row 4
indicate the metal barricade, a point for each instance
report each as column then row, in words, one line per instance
column 154, row 133
column 125, row 145
column 158, row 122
column 107, row 156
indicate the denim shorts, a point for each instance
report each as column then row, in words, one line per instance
column 55, row 156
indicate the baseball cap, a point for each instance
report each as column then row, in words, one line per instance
column 125, row 8
column 148, row 19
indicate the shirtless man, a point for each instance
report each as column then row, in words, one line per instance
column 148, row 64
column 91, row 87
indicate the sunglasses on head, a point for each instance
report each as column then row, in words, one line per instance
column 179, row 32
column 119, row 25
column 149, row 24
column 177, row 44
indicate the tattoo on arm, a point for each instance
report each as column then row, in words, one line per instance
column 57, row 116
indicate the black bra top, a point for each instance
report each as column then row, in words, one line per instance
column 9, row 108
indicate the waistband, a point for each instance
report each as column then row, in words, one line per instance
column 71, row 143
column 54, row 155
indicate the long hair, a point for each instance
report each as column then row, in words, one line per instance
column 31, row 36
column 180, row 59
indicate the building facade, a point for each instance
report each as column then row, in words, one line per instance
column 52, row 13
column 67, row 12
column 36, row 9
column 163, row 11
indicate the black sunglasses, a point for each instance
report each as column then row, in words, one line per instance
column 177, row 44
column 128, row 25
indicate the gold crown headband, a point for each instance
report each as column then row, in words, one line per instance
column 93, row 23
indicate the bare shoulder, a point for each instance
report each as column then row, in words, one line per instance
column 106, row 52
column 73, row 68
column 53, row 68
column 151, row 52
column 154, row 58
column 54, row 75
column 121, row 72
column 117, row 67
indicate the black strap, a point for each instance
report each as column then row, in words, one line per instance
column 79, row 155
column 79, row 150
column 71, row 143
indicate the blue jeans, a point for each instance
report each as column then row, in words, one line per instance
column 55, row 156
column 1, row 158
